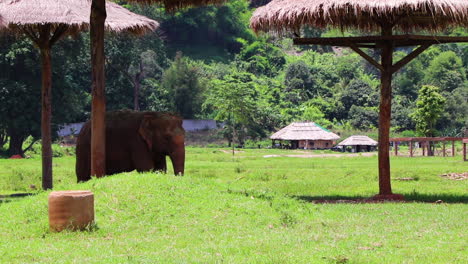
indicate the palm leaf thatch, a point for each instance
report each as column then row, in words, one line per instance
column 366, row 15
column 177, row 4
column 304, row 131
column 358, row 141
column 74, row 14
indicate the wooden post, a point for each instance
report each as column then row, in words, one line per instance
column 98, row 107
column 395, row 145
column 385, row 187
column 46, row 116
column 443, row 148
column 423, row 144
column 453, row 148
column 464, row 141
column 411, row 148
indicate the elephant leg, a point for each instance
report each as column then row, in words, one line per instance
column 160, row 162
column 142, row 163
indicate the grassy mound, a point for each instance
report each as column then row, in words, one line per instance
column 150, row 218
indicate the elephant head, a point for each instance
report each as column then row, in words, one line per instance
column 164, row 135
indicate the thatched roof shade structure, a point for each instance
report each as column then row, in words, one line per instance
column 98, row 106
column 304, row 131
column 47, row 21
column 358, row 141
column 26, row 15
column 382, row 16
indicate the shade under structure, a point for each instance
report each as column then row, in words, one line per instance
column 47, row 21
column 384, row 17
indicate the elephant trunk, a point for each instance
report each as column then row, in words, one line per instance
column 178, row 160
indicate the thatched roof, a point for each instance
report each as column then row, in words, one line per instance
column 177, row 4
column 367, row 15
column 358, row 141
column 74, row 13
column 304, row 131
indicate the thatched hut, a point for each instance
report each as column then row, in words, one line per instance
column 358, row 144
column 305, row 135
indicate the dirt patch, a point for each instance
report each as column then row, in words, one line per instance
column 455, row 176
column 364, row 154
column 230, row 151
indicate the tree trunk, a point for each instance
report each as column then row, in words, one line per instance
column 136, row 87
column 98, row 108
column 3, row 137
column 46, row 116
column 385, row 187
column 16, row 145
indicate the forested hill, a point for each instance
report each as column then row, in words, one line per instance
column 207, row 63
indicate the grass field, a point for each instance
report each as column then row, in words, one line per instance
column 245, row 209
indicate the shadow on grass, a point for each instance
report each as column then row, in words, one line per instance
column 409, row 197
column 14, row 197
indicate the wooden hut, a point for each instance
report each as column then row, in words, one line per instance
column 305, row 135
column 358, row 144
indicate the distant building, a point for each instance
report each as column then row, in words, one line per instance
column 304, row 135
column 196, row 125
column 74, row 129
column 358, row 144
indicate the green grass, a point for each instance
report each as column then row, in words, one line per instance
column 244, row 209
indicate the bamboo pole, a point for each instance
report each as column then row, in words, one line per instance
column 98, row 106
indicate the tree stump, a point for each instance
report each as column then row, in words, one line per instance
column 71, row 210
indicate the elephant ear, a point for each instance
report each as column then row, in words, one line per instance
column 146, row 131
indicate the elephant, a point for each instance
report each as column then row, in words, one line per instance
column 135, row 141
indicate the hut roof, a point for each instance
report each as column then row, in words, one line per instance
column 304, row 131
column 74, row 13
column 358, row 141
column 367, row 15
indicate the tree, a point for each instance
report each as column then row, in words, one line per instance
column 446, row 71
column 358, row 93
column 182, row 82
column 261, row 58
column 234, row 101
column 364, row 117
column 429, row 107
column 313, row 113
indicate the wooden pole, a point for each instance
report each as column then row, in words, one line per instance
column 464, row 151
column 443, row 148
column 411, row 148
column 453, row 148
column 46, row 116
column 395, row 145
column 98, row 106
column 423, row 147
column 385, row 187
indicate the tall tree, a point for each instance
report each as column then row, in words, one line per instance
column 429, row 107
